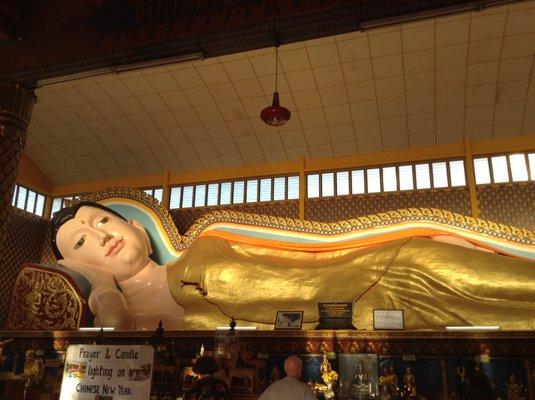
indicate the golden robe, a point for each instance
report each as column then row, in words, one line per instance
column 436, row 284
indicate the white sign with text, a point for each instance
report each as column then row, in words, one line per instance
column 107, row 372
column 388, row 320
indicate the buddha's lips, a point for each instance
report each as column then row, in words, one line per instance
column 114, row 247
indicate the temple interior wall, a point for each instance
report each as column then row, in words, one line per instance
column 26, row 236
column 511, row 204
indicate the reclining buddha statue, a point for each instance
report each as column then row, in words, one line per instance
column 439, row 267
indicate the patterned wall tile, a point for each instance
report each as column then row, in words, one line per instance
column 47, row 256
column 340, row 208
column 511, row 204
column 24, row 243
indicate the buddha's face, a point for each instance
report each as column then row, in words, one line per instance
column 99, row 240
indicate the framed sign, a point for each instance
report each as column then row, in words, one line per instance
column 289, row 320
column 335, row 315
column 388, row 320
column 100, row 372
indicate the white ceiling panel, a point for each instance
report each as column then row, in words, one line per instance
column 425, row 83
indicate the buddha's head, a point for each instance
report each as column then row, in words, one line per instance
column 94, row 238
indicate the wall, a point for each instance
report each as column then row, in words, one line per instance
column 511, row 204
column 25, row 236
column 331, row 209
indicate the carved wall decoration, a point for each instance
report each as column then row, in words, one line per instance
column 45, row 301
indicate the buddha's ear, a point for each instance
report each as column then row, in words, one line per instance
column 140, row 228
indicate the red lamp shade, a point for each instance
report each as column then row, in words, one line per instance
column 275, row 115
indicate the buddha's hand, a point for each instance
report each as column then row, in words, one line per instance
column 109, row 306
column 194, row 285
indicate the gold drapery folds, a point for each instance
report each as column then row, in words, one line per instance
column 437, row 284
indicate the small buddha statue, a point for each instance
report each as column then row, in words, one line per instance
column 409, row 383
column 361, row 382
column 513, row 391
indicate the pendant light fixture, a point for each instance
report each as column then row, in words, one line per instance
column 275, row 115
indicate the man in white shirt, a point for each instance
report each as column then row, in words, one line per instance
column 289, row 387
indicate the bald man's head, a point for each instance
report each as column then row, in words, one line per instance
column 293, row 367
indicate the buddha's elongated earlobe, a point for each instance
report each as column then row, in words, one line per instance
column 140, row 227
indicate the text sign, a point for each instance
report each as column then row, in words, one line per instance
column 335, row 315
column 107, row 372
column 388, row 319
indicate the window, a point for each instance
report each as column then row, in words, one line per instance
column 57, row 205
column 440, row 175
column 60, row 202
column 187, row 196
column 517, row 167
column 519, row 170
column 279, row 186
column 238, row 192
column 213, row 193
column 252, row 190
column 265, row 189
column 21, row 198
column 373, row 178
column 313, row 185
column 482, row 170
column 293, row 187
column 226, row 193
column 357, row 182
column 28, row 200
column 327, row 184
column 342, row 183
column 406, row 179
column 423, row 178
column 157, row 193
column 200, row 195
column 457, row 174
column 390, row 180
column 174, row 200
column 500, row 172
column 531, row 161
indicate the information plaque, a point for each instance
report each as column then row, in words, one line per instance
column 335, row 315
column 388, row 320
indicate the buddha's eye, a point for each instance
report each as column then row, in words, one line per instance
column 102, row 221
column 79, row 243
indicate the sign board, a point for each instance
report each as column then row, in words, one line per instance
column 335, row 315
column 107, row 372
column 388, row 320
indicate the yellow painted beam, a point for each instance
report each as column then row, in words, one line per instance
column 471, row 179
column 250, row 171
column 507, row 145
column 85, row 187
column 302, row 188
column 385, row 158
column 30, row 175
column 166, row 191
column 48, row 207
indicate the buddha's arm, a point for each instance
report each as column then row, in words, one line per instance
column 252, row 282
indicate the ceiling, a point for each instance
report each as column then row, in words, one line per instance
column 426, row 83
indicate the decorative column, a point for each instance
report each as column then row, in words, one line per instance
column 16, row 103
